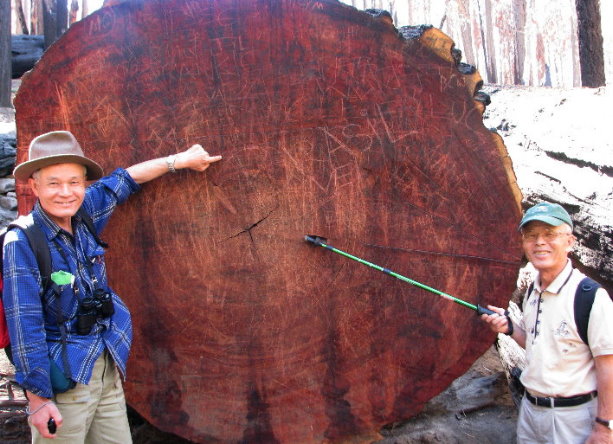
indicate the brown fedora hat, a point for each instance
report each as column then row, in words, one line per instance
column 54, row 148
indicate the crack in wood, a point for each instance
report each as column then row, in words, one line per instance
column 252, row 226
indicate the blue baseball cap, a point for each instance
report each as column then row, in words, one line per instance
column 552, row 214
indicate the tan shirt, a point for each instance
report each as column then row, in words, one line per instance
column 559, row 362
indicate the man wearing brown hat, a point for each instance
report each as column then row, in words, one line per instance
column 70, row 339
column 568, row 380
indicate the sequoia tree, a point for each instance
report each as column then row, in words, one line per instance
column 330, row 122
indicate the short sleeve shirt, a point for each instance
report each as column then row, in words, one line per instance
column 560, row 364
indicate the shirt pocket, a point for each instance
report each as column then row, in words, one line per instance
column 53, row 302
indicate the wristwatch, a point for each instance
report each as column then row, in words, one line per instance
column 170, row 163
column 605, row 422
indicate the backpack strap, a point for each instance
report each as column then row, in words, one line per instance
column 527, row 295
column 40, row 248
column 38, row 243
column 584, row 299
column 89, row 223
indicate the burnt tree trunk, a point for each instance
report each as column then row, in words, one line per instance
column 5, row 54
column 590, row 43
column 330, row 123
column 55, row 20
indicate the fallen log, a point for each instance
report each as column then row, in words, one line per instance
column 562, row 157
column 330, row 123
column 26, row 51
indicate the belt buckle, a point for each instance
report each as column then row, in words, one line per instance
column 545, row 402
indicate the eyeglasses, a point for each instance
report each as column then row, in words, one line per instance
column 548, row 236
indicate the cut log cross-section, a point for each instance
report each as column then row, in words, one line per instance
column 330, row 123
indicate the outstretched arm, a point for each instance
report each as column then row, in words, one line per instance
column 194, row 158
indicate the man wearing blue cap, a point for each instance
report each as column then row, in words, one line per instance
column 569, row 384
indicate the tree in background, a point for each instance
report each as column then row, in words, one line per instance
column 5, row 54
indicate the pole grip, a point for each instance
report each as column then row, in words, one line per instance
column 482, row 310
column 313, row 239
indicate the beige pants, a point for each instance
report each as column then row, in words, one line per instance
column 560, row 425
column 93, row 413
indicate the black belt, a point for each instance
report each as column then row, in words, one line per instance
column 561, row 402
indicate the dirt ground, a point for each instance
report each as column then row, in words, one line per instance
column 13, row 426
column 491, row 420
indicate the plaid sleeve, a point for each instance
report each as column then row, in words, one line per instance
column 24, row 315
column 102, row 197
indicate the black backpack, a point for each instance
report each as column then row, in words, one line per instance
column 584, row 299
column 40, row 247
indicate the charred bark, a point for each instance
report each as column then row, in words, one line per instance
column 55, row 20
column 5, row 54
column 591, row 52
column 26, row 51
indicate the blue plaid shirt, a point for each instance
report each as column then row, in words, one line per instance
column 32, row 315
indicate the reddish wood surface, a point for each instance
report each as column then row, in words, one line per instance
column 331, row 124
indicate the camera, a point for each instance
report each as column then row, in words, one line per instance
column 104, row 303
column 91, row 309
column 86, row 316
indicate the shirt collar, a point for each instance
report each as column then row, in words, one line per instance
column 51, row 229
column 558, row 283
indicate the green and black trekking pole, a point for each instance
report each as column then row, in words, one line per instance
column 320, row 241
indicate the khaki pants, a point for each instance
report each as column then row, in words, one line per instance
column 560, row 425
column 93, row 413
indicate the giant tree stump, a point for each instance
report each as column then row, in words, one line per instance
column 330, row 123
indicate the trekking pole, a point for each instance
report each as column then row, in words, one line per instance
column 321, row 241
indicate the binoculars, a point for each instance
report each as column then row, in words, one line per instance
column 91, row 309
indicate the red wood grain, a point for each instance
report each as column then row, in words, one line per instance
column 329, row 123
